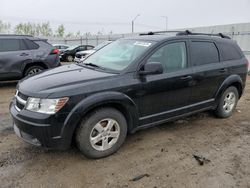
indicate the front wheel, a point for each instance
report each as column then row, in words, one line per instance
column 101, row 133
column 227, row 103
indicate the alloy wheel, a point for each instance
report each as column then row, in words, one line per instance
column 229, row 102
column 104, row 134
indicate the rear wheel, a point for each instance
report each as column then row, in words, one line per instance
column 69, row 58
column 101, row 133
column 33, row 70
column 227, row 103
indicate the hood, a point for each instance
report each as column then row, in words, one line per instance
column 85, row 52
column 60, row 79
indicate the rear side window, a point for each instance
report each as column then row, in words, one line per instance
column 89, row 47
column 12, row 45
column 229, row 52
column 81, row 48
column 31, row 45
column 204, row 53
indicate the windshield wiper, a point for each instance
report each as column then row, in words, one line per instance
column 94, row 65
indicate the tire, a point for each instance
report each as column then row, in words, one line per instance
column 95, row 127
column 33, row 70
column 227, row 103
column 69, row 58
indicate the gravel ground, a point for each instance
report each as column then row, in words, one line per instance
column 161, row 156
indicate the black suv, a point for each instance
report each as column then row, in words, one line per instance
column 23, row 55
column 69, row 53
column 131, row 84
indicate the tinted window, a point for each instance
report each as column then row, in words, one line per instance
column 204, row 53
column 43, row 44
column 89, row 47
column 172, row 56
column 81, row 48
column 31, row 45
column 12, row 45
column 229, row 52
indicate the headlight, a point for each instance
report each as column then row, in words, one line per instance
column 46, row 106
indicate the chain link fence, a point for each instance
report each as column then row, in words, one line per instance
column 91, row 40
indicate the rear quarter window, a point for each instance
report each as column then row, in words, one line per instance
column 203, row 52
column 31, row 45
column 229, row 51
column 43, row 44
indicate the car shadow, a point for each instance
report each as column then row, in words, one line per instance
column 132, row 139
column 8, row 83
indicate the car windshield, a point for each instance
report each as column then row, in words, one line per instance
column 98, row 47
column 118, row 55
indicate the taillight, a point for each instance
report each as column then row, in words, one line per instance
column 55, row 51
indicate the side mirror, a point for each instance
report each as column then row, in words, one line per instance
column 151, row 68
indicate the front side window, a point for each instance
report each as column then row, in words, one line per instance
column 119, row 54
column 12, row 45
column 173, row 57
column 203, row 53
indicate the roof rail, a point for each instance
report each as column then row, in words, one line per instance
column 187, row 32
column 158, row 32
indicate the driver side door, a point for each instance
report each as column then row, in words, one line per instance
column 166, row 95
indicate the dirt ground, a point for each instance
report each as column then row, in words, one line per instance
column 164, row 153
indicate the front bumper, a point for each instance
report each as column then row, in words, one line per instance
column 77, row 60
column 40, row 129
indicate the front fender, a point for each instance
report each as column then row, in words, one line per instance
column 96, row 100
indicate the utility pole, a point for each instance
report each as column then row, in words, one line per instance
column 134, row 21
column 166, row 19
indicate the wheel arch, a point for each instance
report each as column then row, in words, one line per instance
column 116, row 100
column 233, row 80
column 30, row 64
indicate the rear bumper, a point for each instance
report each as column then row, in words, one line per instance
column 39, row 131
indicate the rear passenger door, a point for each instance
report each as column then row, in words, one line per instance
column 13, row 52
column 208, row 73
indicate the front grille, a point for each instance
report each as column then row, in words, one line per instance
column 22, row 96
column 21, row 100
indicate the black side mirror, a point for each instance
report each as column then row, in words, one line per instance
column 151, row 68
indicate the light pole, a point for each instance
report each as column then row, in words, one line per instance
column 134, row 21
column 166, row 18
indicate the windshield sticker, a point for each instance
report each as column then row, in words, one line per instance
column 145, row 44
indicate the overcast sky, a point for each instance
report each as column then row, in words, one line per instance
column 116, row 15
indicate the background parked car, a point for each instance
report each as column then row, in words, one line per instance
column 82, row 54
column 61, row 47
column 69, row 54
column 23, row 55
